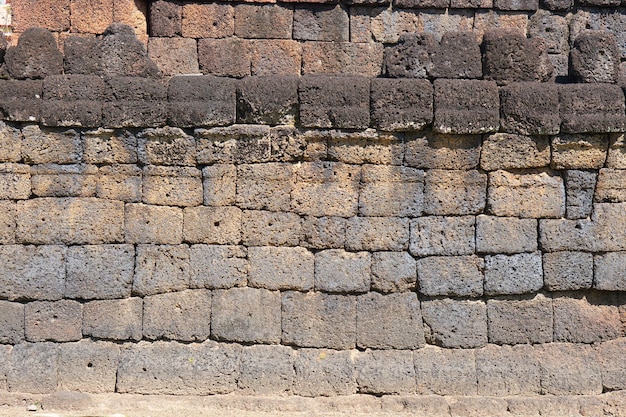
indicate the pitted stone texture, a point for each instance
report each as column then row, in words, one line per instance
column 435, row 151
column 466, row 106
column 83, row 55
column 183, row 316
column 263, row 21
column 411, row 56
column 457, row 56
column 520, row 321
column 509, row 57
column 200, row 101
column 271, row 100
column 349, row 58
column 72, row 100
column 114, row 319
column 445, row 371
column 99, row 271
column 133, row 102
column 228, row 57
column 323, row 232
column 35, row 56
column 58, row 321
column 609, row 271
column 579, row 151
column 241, row 144
column 172, row 186
column 10, row 143
column 51, row 180
column 264, row 186
column 247, row 315
column 51, row 146
column 505, row 234
column 580, row 187
column 8, row 212
column 385, row 372
column 208, row 20
column 174, row 56
column 166, row 146
column 220, row 184
column 315, row 319
column 506, row 370
column 456, row 276
column 390, row 321
column 364, row 147
column 586, row 318
column 617, row 152
column 552, row 28
column 174, row 368
column 536, row 194
column 88, row 366
column 529, row 108
column 119, row 182
column 268, row 228
column 339, row 271
column 275, row 57
column 266, row 370
column 454, row 192
column 160, row 269
column 12, row 322
column 33, row 368
column 281, row 268
column 596, row 108
column 14, row 181
column 442, row 236
column 393, row 272
column 218, row 266
column 213, row 225
column 333, row 101
column 152, row 224
column 166, row 18
column 569, row 369
column 611, row 186
column 320, row 23
column 515, row 274
column 391, row 191
column 107, row 146
column 124, row 55
column 377, row 233
column 567, row 271
column 321, row 372
column 612, row 366
column 403, row 104
column 70, row 221
column 595, row 57
column 32, row 272
column 455, row 324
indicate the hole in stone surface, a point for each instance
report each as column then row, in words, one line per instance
column 90, row 365
column 216, row 224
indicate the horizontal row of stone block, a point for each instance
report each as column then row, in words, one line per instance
column 449, row 106
column 218, row 368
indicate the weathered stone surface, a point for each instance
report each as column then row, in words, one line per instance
column 466, row 106
column 520, row 321
column 119, row 182
column 213, row 225
column 134, row 102
column 10, row 143
column 552, row 28
column 349, row 58
column 200, row 101
column 529, row 108
column 228, row 57
column 12, row 322
column 266, row 370
column 515, row 274
column 411, row 56
column 166, row 18
column 457, row 276
column 166, row 146
column 609, row 270
column 58, row 321
column 99, row 271
column 595, row 57
column 458, row 56
column 242, row 144
column 593, row 108
column 450, row 192
column 569, row 369
column 509, row 57
column 114, row 319
column 567, row 271
column 505, row 234
column 160, row 269
column 88, row 366
column 269, row 100
column 50, row 14
column 321, row 372
column 70, row 221
column 8, row 212
column 267, row 228
column 393, row 272
column 580, row 187
column 536, row 194
column 508, row 151
column 321, row 23
column 579, row 151
column 435, row 151
column 617, row 152
column 32, row 272
column 455, row 324
column 339, row 271
column 333, row 101
column 385, row 372
column 361, row 147
column 323, row 232
column 401, row 104
column 183, row 315
column 106, row 146
column 124, row 55
column 248, row 315
column 391, row 191
column 172, row 186
column 35, row 56
column 264, row 21
column 264, row 186
column 445, row 371
column 72, row 100
column 586, row 318
column 15, row 181
column 279, row 268
column 50, row 146
column 610, row 357
column 33, row 368
column 275, row 57
column 611, row 186
column 391, row 321
column 51, row 180
column 83, row 55
column 442, row 236
column 153, row 224
column 174, row 368
column 208, row 20
column 218, row 266
column 220, row 184
column 377, row 233
column 315, row 319
column 506, row 370
column 174, row 56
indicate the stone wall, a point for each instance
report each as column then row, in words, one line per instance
column 454, row 227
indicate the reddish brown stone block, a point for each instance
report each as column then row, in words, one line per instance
column 91, row 16
column 212, row 20
column 49, row 14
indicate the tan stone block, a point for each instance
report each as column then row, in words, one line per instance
column 588, row 318
column 113, row 319
column 387, row 24
column 8, row 212
column 280, row 268
column 10, row 144
column 536, row 194
column 569, row 369
column 108, row 146
column 153, row 224
column 445, row 371
column 484, row 20
column 174, row 56
column 438, row 22
column 579, row 151
column 342, row 58
column 508, row 370
column 59, row 321
column 436, row 151
column 324, row 232
column 86, row 366
column 275, row 57
column 268, row 228
column 218, row 266
column 391, row 191
column 364, row 147
column 91, row 16
column 119, row 182
column 183, row 315
column 161, row 269
column 166, row 146
column 50, row 146
column 15, row 181
column 214, row 20
column 220, row 184
column 264, row 186
column 70, row 221
column 617, row 152
column 172, row 186
column 133, row 13
column 377, row 233
column 51, row 180
column 508, row 151
column 611, row 186
column 241, row 144
column 454, row 192
column 213, row 225
column 50, row 14
column 505, row 234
